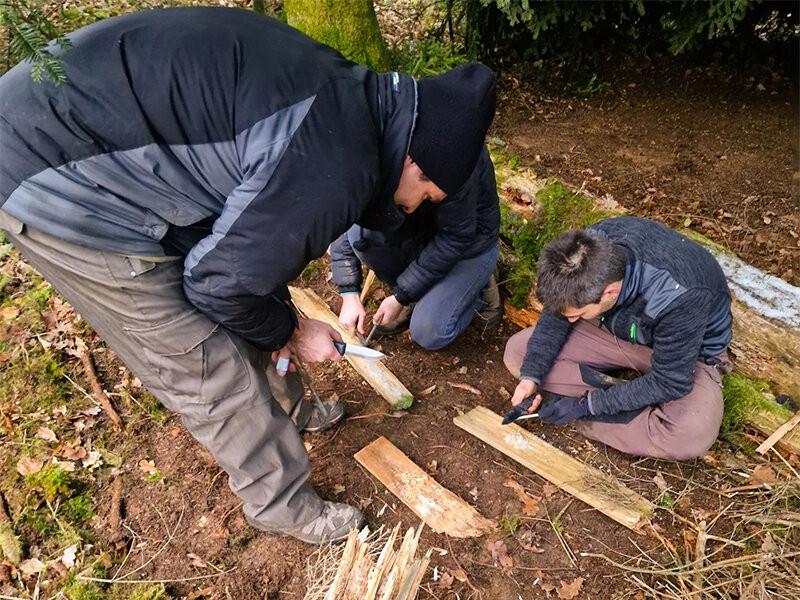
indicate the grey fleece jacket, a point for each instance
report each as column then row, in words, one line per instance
column 674, row 299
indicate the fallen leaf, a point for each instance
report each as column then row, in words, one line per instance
column 567, row 591
column 147, row 466
column 32, row 566
column 462, row 371
column 202, row 521
column 499, row 553
column 527, row 539
column 465, row 386
column 461, row 575
column 338, row 489
column 93, row 460
column 92, row 411
column 68, row 557
column 445, row 581
column 549, row 489
column 763, row 474
column 64, row 465
column 661, row 482
column 27, row 465
column 530, row 504
column 308, row 446
column 428, row 391
column 8, row 313
column 432, row 466
column 195, row 560
column 74, row 451
column 46, row 434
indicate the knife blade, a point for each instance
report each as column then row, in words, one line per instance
column 359, row 351
column 519, row 410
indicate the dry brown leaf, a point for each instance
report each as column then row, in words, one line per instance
column 46, row 434
column 661, row 482
column 147, row 466
column 548, row 490
column 568, row 591
column 763, row 474
column 338, row 489
column 530, row 504
column 8, row 313
column 527, row 539
column 499, row 553
column 465, row 386
column 461, row 575
column 446, row 581
column 27, row 465
column 196, row 561
column 32, row 566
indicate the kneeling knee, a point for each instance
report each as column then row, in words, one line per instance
column 428, row 336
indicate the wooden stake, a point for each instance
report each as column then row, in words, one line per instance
column 97, row 389
column 603, row 492
column 374, row 372
column 367, row 287
column 779, row 434
column 440, row 509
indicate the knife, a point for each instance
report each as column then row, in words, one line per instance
column 359, row 351
column 519, row 410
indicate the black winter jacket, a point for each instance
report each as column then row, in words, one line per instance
column 674, row 299
column 214, row 134
column 464, row 225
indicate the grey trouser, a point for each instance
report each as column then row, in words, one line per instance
column 218, row 383
column 678, row 430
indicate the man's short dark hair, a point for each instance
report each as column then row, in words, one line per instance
column 575, row 268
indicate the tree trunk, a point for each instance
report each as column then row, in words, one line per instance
column 349, row 26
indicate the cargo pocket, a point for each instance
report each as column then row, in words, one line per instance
column 192, row 360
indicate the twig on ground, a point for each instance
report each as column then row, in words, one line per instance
column 149, row 581
column 97, row 389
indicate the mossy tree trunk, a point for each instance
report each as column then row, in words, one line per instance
column 349, row 26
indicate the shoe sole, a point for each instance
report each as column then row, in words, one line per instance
column 312, row 541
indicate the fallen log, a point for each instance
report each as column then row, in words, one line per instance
column 439, row 508
column 374, row 372
column 601, row 491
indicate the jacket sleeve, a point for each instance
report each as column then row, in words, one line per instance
column 456, row 228
column 294, row 199
column 677, row 339
column 345, row 265
column 544, row 345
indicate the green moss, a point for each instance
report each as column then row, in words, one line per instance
column 405, row 402
column 744, row 397
column 82, row 590
column 560, row 209
column 78, row 510
column 147, row 592
column 52, row 482
column 312, row 270
column 34, row 379
column 509, row 524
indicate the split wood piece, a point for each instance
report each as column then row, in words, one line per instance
column 439, row 508
column 601, row 491
column 115, row 514
column 367, row 287
column 784, row 435
column 374, row 372
column 10, row 547
column 97, row 389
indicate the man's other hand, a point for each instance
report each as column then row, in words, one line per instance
column 388, row 312
column 526, row 388
column 564, row 409
column 352, row 315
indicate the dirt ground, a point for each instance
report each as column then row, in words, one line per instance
column 710, row 148
column 670, row 145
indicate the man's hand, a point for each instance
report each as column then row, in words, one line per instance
column 312, row 342
column 352, row 315
column 564, row 409
column 526, row 388
column 388, row 311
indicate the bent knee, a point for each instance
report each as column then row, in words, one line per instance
column 691, row 441
column 429, row 335
column 516, row 347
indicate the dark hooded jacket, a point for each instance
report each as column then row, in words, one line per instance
column 217, row 135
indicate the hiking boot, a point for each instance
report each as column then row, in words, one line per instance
column 490, row 314
column 324, row 415
column 399, row 325
column 331, row 526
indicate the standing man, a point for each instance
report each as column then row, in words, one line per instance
column 628, row 293
column 191, row 166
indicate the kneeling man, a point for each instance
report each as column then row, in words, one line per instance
column 628, row 293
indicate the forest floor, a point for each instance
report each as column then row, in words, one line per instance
column 669, row 144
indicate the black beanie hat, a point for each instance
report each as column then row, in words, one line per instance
column 454, row 110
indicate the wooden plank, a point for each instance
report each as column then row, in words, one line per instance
column 374, row 372
column 439, row 508
column 601, row 491
column 784, row 435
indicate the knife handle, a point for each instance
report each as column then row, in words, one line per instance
column 340, row 347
